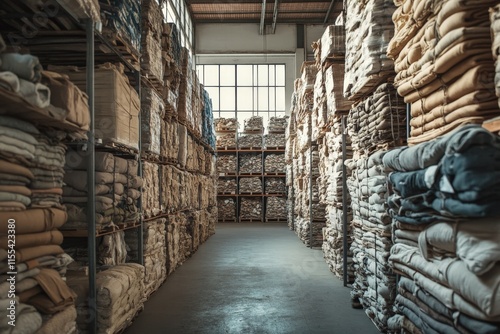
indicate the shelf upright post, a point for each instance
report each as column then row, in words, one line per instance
column 91, row 240
column 140, row 233
column 309, row 131
column 408, row 118
column 344, row 201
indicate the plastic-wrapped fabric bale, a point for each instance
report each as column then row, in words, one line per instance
column 226, row 207
column 153, row 111
column 122, row 19
column 277, row 124
column 250, row 141
column 250, row 209
column 120, row 296
column 152, row 29
column 151, row 189
column 171, row 55
column 170, row 140
column 185, row 106
column 274, row 163
column 179, row 241
column 183, row 145
column 226, row 186
column 250, row 163
column 154, row 253
column 197, row 105
column 250, row 185
column 274, row 185
column 333, row 44
column 276, row 208
column 274, row 140
column 208, row 132
column 226, row 164
column 369, row 29
column 334, row 85
column 226, row 124
column 253, row 124
column 227, row 140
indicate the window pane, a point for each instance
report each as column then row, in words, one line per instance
column 227, row 75
column 226, row 114
column 272, row 99
column 244, row 75
column 271, row 75
column 280, row 75
column 263, row 75
column 199, row 71
column 214, row 95
column 255, row 74
column 245, row 98
column 255, row 97
column 211, row 75
column 227, row 98
column 280, row 98
column 263, row 98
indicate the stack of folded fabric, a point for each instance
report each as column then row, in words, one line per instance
column 227, row 163
column 442, row 55
column 369, row 29
column 330, row 187
column 226, row 140
column 289, row 160
column 251, row 208
column 275, row 185
column 252, row 141
column 276, row 208
column 117, row 190
column 208, row 133
column 171, row 58
column 275, row 163
column 226, row 186
column 152, row 113
column 197, row 105
column 445, row 211
column 277, row 124
column 154, row 253
column 253, row 124
column 112, row 249
column 151, row 190
column 227, row 209
column 185, row 105
column 179, row 240
column 169, row 147
column 120, row 296
column 226, row 125
column 152, row 30
column 274, row 140
column 250, row 163
column 250, row 185
column 122, row 20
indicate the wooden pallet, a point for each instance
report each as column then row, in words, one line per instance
column 276, row 148
column 227, row 220
column 109, row 145
column 276, row 220
column 274, row 174
column 251, row 220
column 250, row 149
column 253, row 132
column 226, row 148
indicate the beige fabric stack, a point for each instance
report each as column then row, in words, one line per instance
column 251, row 185
column 226, row 140
column 151, row 189
column 276, row 208
column 227, row 209
column 274, row 140
column 185, row 106
column 226, row 125
column 120, row 296
column 152, row 113
column 155, row 253
column 251, row 208
column 274, row 163
column 274, row 185
column 250, row 141
column 171, row 56
column 369, row 30
column 226, row 185
column 277, row 124
column 151, row 48
column 250, row 163
column 226, row 163
column 170, row 143
column 253, row 124
column 444, row 65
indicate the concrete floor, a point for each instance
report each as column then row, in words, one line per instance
column 252, row 278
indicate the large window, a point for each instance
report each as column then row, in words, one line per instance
column 177, row 12
column 243, row 91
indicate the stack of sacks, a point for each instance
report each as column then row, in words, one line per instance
column 120, row 296
column 208, row 133
column 250, row 185
column 290, row 135
column 444, row 65
column 185, row 107
column 250, row 141
column 305, row 96
column 253, row 124
column 171, row 58
column 368, row 31
column 152, row 113
column 226, row 164
column 331, row 46
column 117, row 188
column 197, row 105
column 445, row 211
column 117, row 104
column 169, row 147
column 374, row 287
column 151, row 190
column 274, row 163
column 320, row 112
column 250, row 208
column 276, row 208
column 152, row 30
column 274, row 140
column 226, row 125
column 112, row 249
column 330, row 187
column 154, row 253
column 227, row 209
column 275, row 185
column 226, row 186
column 30, row 204
column 227, row 140
column 250, row 163
column 122, row 20
column 179, row 241
column 277, row 124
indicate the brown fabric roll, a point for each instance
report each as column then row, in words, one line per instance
column 53, row 237
column 34, row 220
column 11, row 168
column 55, row 288
column 30, row 293
column 30, row 253
column 417, row 139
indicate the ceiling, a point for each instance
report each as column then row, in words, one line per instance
column 270, row 12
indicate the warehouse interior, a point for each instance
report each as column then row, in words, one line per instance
column 249, row 166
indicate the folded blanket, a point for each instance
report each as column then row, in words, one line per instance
column 21, row 190
column 13, row 180
column 12, row 206
column 34, row 220
column 35, row 93
column 28, row 320
column 30, row 253
column 15, row 169
column 55, row 288
column 25, row 66
column 53, row 237
column 9, row 81
column 13, row 197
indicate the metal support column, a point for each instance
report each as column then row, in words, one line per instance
column 408, row 118
column 140, row 233
column 344, row 201
column 309, row 132
column 91, row 241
